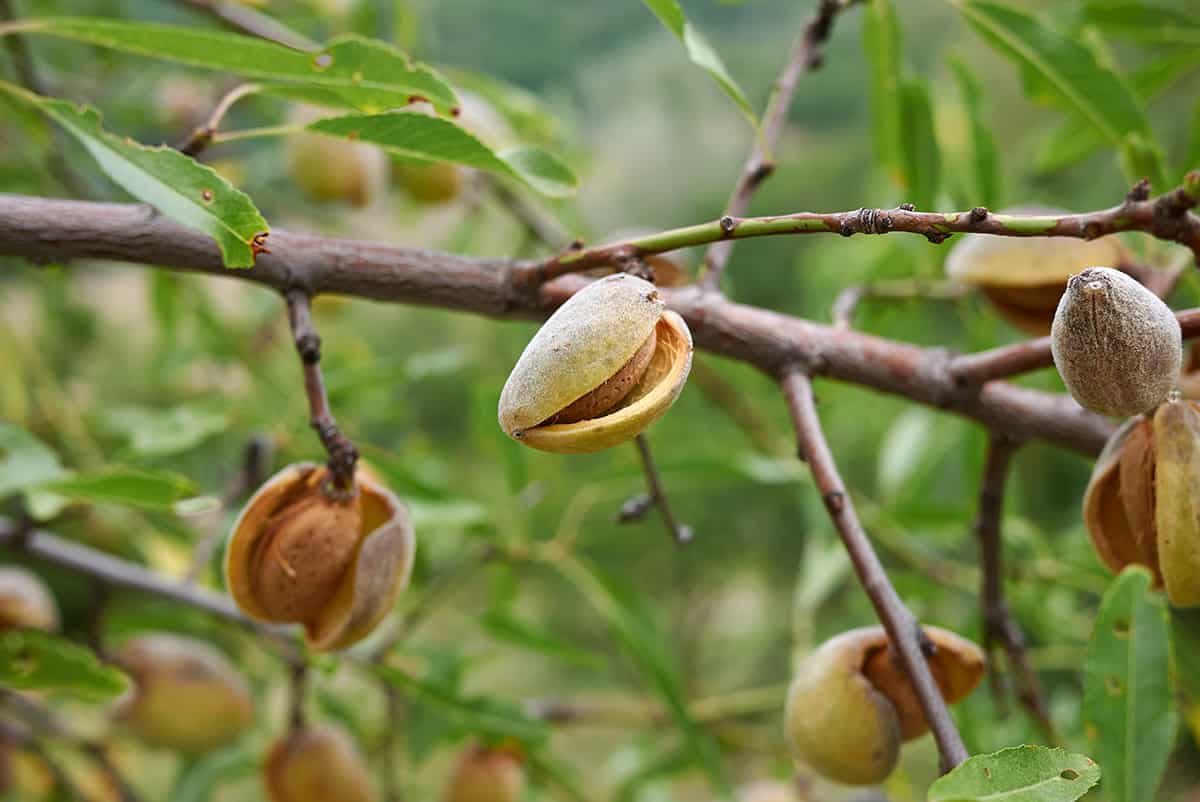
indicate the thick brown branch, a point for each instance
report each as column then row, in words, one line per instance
column 806, row 56
column 44, row 230
column 1000, row 629
column 902, row 627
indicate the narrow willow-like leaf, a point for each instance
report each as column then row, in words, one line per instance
column 922, row 160
column 128, row 486
column 25, row 461
column 1018, row 774
column 37, row 661
column 1128, row 708
column 1065, row 67
column 478, row 714
column 1075, row 139
column 1144, row 22
column 985, row 161
column 182, row 189
column 198, row 781
column 701, row 53
column 630, row 621
column 412, row 135
column 353, row 71
column 881, row 46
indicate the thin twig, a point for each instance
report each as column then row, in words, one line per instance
column 43, row 545
column 296, row 693
column 1000, row 629
column 806, row 56
column 343, row 456
column 636, row 507
column 202, row 137
column 1028, row 355
column 904, row 632
column 242, row 17
column 1168, row 217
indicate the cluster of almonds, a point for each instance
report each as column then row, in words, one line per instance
column 1119, row 351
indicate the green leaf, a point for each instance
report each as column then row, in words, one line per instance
column 1075, row 138
column 922, row 162
column 162, row 432
column 985, row 161
column 1143, row 22
column 630, row 621
column 881, row 45
column 199, row 780
column 1127, row 703
column 351, row 71
column 700, row 51
column 483, row 715
column 506, row 627
column 129, row 486
column 1018, row 774
column 420, row 136
column 1064, row 67
column 25, row 461
column 38, row 661
column 184, row 190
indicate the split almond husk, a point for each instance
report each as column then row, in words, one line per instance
column 607, row 364
column 304, row 552
column 850, row 705
column 1142, row 504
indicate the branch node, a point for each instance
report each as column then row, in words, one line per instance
column 728, row 224
column 907, row 207
column 1139, row 192
column 979, row 214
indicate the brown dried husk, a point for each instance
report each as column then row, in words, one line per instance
column 957, row 665
column 374, row 569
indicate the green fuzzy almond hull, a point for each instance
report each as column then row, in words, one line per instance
column 653, row 396
column 586, row 341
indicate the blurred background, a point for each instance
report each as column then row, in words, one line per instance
column 108, row 364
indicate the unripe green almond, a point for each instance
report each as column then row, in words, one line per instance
column 584, row 348
column 1116, row 345
column 25, row 601
column 1177, row 500
column 836, row 720
column 851, row 705
column 187, row 696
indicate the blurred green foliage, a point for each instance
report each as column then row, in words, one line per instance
column 117, row 366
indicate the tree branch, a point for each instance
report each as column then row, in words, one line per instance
column 44, row 230
column 1000, row 629
column 1029, row 355
column 1167, row 217
column 656, row 496
column 114, row 572
column 907, row 639
column 806, row 56
column 343, row 456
